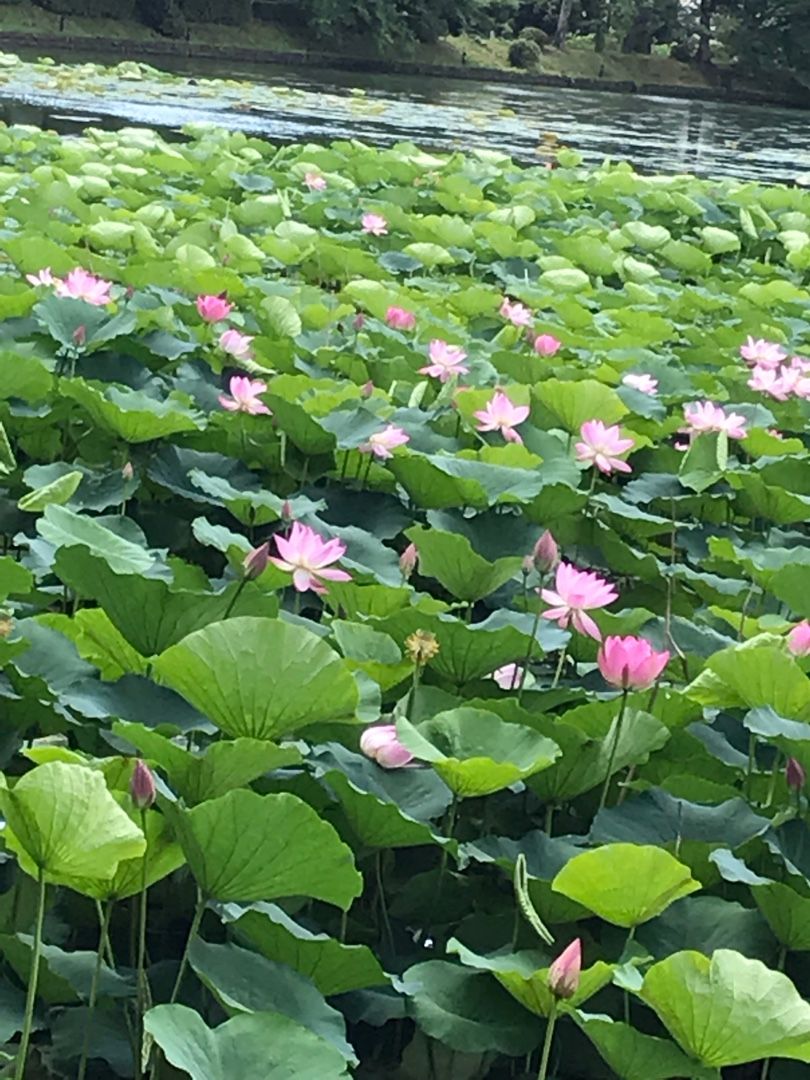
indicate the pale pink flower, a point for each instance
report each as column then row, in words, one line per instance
column 563, row 975
column 775, row 433
column 517, row 314
column 400, row 318
column 381, row 443
column 245, row 396
column 80, row 285
column 374, row 224
column 380, row 743
column 575, row 593
column 314, row 181
column 645, row 384
column 408, row 560
column 630, row 663
column 800, row 364
column 798, row 639
column 546, row 345
column 445, row 361
column 236, row 344
column 213, row 308
column 500, row 414
column 703, row 416
column 545, row 553
column 762, row 353
column 308, row 557
column 770, row 381
column 508, row 676
column 44, row 277
column 601, row 446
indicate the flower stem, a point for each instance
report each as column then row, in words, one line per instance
column 560, row 663
column 91, row 1001
column 234, row 598
column 451, row 824
column 143, row 991
column 614, row 747
column 546, row 1056
column 529, row 652
column 389, row 933
column 409, row 706
column 749, row 768
column 28, row 1022
column 192, row 933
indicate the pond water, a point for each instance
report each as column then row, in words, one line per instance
column 657, row 134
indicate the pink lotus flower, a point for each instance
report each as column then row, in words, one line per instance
column 645, row 384
column 374, row 224
column 142, row 786
column 44, row 277
column 380, row 743
column 308, row 557
column 762, row 353
column 80, row 285
column 773, row 382
column 630, row 663
column 408, row 560
column 795, row 776
column 508, row 677
column 546, row 553
column 445, row 361
column 546, row 345
column 255, row 562
column 213, row 308
column 500, row 414
column 244, row 396
column 517, row 314
column 703, row 416
column 564, row 973
column 798, row 640
column 575, row 593
column 381, row 443
column 314, row 181
column 236, row 344
column 400, row 318
column 601, row 446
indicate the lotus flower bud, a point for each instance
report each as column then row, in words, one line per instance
column 142, row 786
column 287, row 515
column 563, row 975
column 80, row 336
column 527, row 565
column 421, row 646
column 367, row 389
column 408, row 559
column 546, row 554
column 798, row 639
column 380, row 743
column 256, row 560
column 795, row 775
column 127, row 471
column 359, row 321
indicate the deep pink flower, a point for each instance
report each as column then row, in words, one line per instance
column 508, row 677
column 308, row 557
column 142, row 786
column 44, row 277
column 408, row 560
column 546, row 553
column 703, row 416
column 563, row 975
column 245, row 396
column 255, row 562
column 374, row 224
column 795, row 776
column 380, row 743
column 546, row 345
column 236, row 344
column 213, row 308
column 400, row 318
column 762, row 353
column 314, row 181
column 500, row 414
column 646, row 384
column 630, row 663
column 575, row 593
column 381, row 443
column 80, row 285
column 445, row 361
column 517, row 314
column 601, row 446
column 798, row 639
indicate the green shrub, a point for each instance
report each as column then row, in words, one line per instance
column 164, row 16
column 232, row 12
column 535, row 34
column 524, row 54
column 97, row 9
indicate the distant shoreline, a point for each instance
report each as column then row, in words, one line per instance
column 131, row 49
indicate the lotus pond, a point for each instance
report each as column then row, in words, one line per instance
column 404, row 671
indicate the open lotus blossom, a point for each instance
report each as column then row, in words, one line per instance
column 630, row 663
column 798, row 639
column 380, row 743
column 546, row 345
column 43, row 277
column 244, row 396
column 213, row 308
column 314, row 181
column 760, row 353
column 778, row 383
column 517, row 314
column 308, row 557
column 703, row 416
column 445, row 361
column 508, row 677
column 500, row 414
column 236, row 344
column 381, row 443
column 400, row 318
column 375, row 224
column 645, row 384
column 575, row 593
column 564, row 973
column 601, row 446
column 81, row 285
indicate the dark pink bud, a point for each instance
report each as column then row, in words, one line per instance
column 142, row 786
column 407, row 560
column 256, row 561
column 287, row 512
column 367, row 388
column 359, row 321
column 80, row 336
column 546, row 554
column 795, row 775
column 563, row 975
